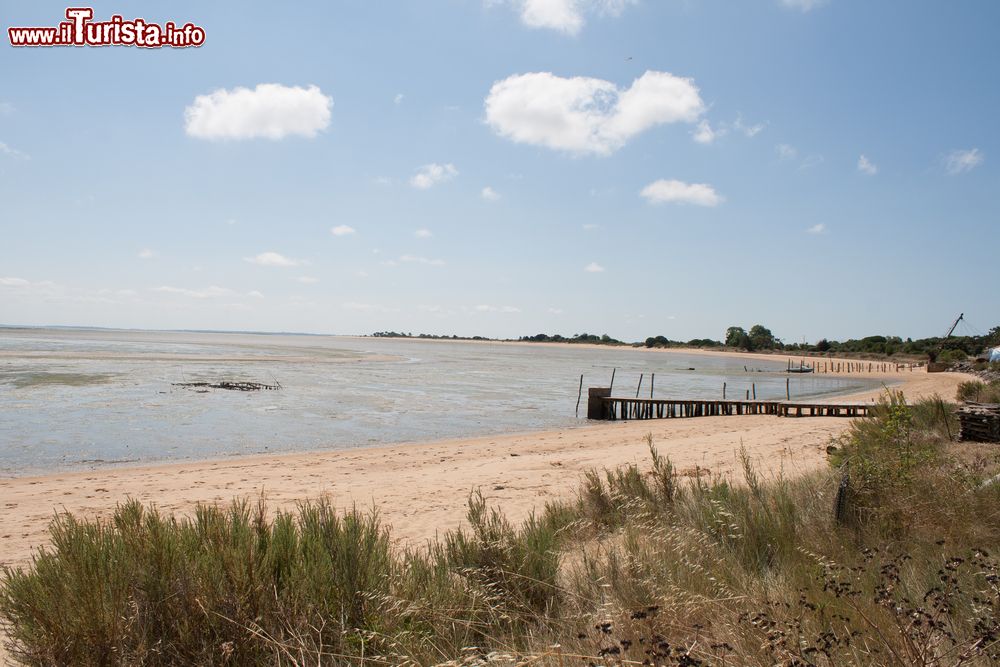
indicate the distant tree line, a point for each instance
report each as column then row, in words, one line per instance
column 575, row 338
column 955, row 348
column 760, row 338
column 663, row 341
column 398, row 334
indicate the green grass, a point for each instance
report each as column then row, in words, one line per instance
column 889, row 557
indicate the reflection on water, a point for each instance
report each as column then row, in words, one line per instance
column 77, row 399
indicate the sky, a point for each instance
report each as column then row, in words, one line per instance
column 509, row 167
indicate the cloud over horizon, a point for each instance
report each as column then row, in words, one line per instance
column 274, row 259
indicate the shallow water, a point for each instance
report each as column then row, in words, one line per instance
column 79, row 399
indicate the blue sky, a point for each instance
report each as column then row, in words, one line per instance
column 509, row 167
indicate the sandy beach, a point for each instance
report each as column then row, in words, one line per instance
column 421, row 488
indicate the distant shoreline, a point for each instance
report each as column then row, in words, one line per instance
column 638, row 345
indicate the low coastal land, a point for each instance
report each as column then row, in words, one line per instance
column 421, row 489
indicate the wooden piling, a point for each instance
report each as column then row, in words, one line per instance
column 788, row 391
column 639, row 386
column 579, row 394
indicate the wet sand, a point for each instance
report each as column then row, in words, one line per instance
column 421, row 489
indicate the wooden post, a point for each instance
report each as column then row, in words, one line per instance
column 748, row 394
column 639, row 386
column 652, row 379
column 579, row 394
column 723, row 391
column 612, row 385
column 754, row 386
column 788, row 391
column 595, row 406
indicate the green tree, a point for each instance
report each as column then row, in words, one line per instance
column 761, row 337
column 736, row 337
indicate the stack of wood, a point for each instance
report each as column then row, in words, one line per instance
column 979, row 422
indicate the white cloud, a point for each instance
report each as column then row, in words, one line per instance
column 274, row 259
column 866, row 166
column 489, row 194
column 786, row 152
column 367, row 307
column 817, row 229
column 961, row 161
column 14, row 282
column 398, row 99
column 423, row 233
column 749, row 131
column 585, row 115
column 678, row 192
column 556, row 311
column 51, row 292
column 270, row 110
column 802, row 5
column 594, row 267
column 13, row 152
column 561, row 15
column 146, row 253
column 566, row 16
column 430, row 175
column 6, row 108
column 342, row 230
column 307, row 280
column 590, row 226
column 703, row 133
column 486, row 308
column 206, row 293
column 255, row 294
column 415, row 259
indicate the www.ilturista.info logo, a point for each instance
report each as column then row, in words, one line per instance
column 80, row 30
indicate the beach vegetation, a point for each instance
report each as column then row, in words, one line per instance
column 888, row 556
column 978, row 391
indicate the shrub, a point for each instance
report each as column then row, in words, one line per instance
column 642, row 565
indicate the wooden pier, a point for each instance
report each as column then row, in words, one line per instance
column 601, row 405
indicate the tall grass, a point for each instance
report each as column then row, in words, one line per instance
column 979, row 392
column 640, row 566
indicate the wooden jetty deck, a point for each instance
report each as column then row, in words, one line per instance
column 605, row 407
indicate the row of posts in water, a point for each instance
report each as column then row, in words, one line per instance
column 751, row 393
column 851, row 366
